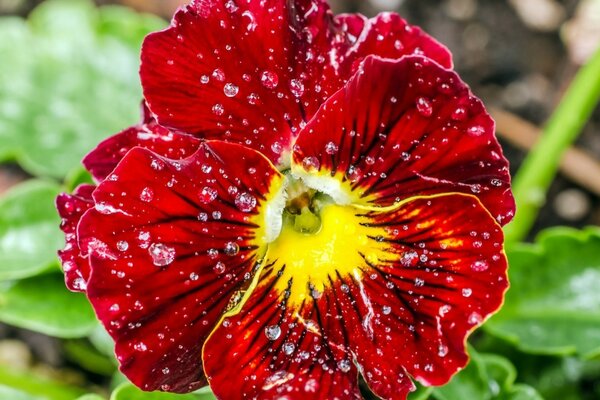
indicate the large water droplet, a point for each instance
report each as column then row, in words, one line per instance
column 147, row 195
column 331, row 148
column 272, row 332
column 207, row 195
column 424, row 107
column 232, row 249
column 231, row 90
column 297, row 87
column 245, row 202
column 311, row 164
column 162, row 255
column 269, row 79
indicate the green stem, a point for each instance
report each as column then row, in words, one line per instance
column 541, row 165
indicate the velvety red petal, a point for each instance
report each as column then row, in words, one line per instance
column 406, row 128
column 253, row 72
column 272, row 350
column 444, row 274
column 426, row 275
column 70, row 208
column 171, row 242
column 101, row 161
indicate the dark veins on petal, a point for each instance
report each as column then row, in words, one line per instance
column 253, row 72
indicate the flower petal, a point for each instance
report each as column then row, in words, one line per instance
column 101, row 161
column 70, row 208
column 297, row 352
column 424, row 276
column 253, row 72
column 418, row 131
column 170, row 244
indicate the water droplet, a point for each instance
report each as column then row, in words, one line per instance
column 272, row 332
column 207, row 195
column 219, row 267
column 122, row 245
column 203, row 217
column 476, row 130
column 311, row 164
column 218, row 109
column 157, row 165
column 354, row 174
column 166, row 370
column 419, row 282
column 344, row 365
column 442, row 350
column 331, row 148
column 147, row 195
column 212, row 253
column 480, row 266
column 194, row 276
column 245, row 202
column 232, row 249
column 409, row 258
column 475, row 318
column 297, row 87
column 424, row 107
column 206, row 168
column 231, row 7
column 386, row 310
column 467, row 292
column 496, row 182
column 253, row 98
column 277, row 148
column 162, row 255
column 219, row 75
column 269, row 79
column 460, row 114
column 231, row 90
column 288, row 348
column 204, row 79
column 140, row 346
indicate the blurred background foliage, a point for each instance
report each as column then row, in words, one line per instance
column 68, row 79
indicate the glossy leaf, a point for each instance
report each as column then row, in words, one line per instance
column 29, row 233
column 129, row 392
column 71, row 81
column 43, row 304
column 553, row 306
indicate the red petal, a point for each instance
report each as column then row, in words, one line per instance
column 417, row 131
column 170, row 242
column 280, row 351
column 71, row 208
column 439, row 270
column 103, row 159
column 253, row 72
column 445, row 274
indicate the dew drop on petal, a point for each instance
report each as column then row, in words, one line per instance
column 147, row 195
column 204, row 79
column 122, row 245
column 460, row 114
column 140, row 347
column 194, row 276
column 386, row 310
column 331, row 148
column 272, row 332
column 231, row 90
column 442, row 350
column 245, row 202
column 277, row 148
column 288, row 348
column 475, row 318
column 162, row 255
column 231, row 7
column 218, row 74
column 354, row 174
column 269, row 79
column 467, row 292
column 218, row 109
column 207, row 195
column 344, row 365
column 424, row 107
column 311, row 164
column 479, row 266
column 297, row 87
column 476, row 131
column 219, row 267
column 232, row 249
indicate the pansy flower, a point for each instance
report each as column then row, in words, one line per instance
column 308, row 198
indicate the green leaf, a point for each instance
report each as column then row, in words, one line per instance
column 470, row 383
column 129, row 392
column 43, row 304
column 7, row 392
column 91, row 397
column 553, row 306
column 29, row 230
column 72, row 80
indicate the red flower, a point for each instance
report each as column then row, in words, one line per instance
column 309, row 198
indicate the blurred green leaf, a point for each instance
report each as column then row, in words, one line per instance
column 470, row 383
column 553, row 306
column 44, row 305
column 14, row 394
column 29, row 230
column 71, row 80
column 91, row 397
column 129, row 392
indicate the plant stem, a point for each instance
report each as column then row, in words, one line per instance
column 541, row 165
